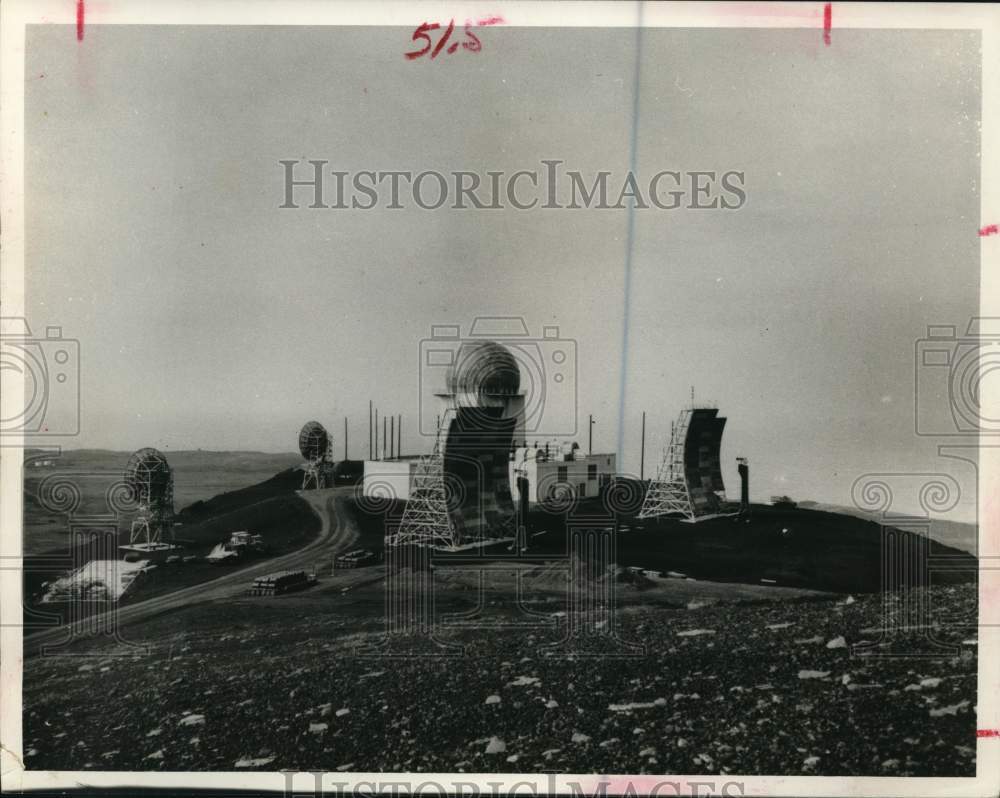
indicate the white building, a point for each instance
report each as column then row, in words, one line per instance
column 389, row 479
column 552, row 471
column 555, row 472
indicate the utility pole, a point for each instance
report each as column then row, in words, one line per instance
column 642, row 456
column 385, row 427
column 399, row 436
column 371, row 448
column 590, row 435
column 392, row 437
column 378, row 455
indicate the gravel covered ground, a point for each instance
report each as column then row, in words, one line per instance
column 753, row 688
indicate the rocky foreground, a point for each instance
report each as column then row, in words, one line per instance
column 763, row 688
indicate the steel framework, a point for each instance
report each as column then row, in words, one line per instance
column 668, row 492
column 152, row 482
column 426, row 521
column 316, row 446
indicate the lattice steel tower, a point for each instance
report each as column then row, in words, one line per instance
column 668, row 492
column 426, row 521
column 316, row 447
column 151, row 482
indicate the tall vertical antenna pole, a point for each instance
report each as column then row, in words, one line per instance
column 345, row 437
column 371, row 447
column 378, row 455
column 385, row 426
column 399, row 436
column 642, row 450
column 392, row 437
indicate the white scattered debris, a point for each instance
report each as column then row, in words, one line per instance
column 816, row 639
column 492, row 699
column 848, row 600
column 681, row 742
column 248, row 762
column 810, row 762
column 949, row 710
column 693, row 632
column 154, row 733
column 930, row 681
column 580, row 738
column 371, row 674
column 496, row 746
column 890, row 764
column 837, row 642
column 342, row 712
column 648, row 752
column 970, row 642
column 694, row 605
column 551, row 704
column 632, row 705
column 610, row 742
column 318, row 728
column 348, row 766
column 523, row 681
column 191, row 720
column 779, row 625
column 550, row 752
column 807, row 674
column 845, row 679
column 513, row 758
column 155, row 755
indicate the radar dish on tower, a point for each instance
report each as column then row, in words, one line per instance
column 151, row 481
column 316, row 446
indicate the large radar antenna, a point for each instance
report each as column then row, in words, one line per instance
column 316, row 447
column 151, row 481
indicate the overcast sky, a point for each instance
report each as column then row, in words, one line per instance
column 208, row 317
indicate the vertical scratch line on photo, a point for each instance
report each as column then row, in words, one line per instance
column 630, row 238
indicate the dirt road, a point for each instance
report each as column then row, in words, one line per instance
column 338, row 532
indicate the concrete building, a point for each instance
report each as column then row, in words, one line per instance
column 552, row 471
column 390, row 479
column 555, row 472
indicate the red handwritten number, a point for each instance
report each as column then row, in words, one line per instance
column 421, row 33
column 471, row 43
column 444, row 39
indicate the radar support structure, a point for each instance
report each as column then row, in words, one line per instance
column 151, row 481
column 668, row 492
column 426, row 521
column 316, row 446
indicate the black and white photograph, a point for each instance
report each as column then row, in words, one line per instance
column 519, row 398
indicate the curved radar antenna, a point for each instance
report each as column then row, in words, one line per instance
column 151, row 482
column 316, row 446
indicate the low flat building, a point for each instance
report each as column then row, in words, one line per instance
column 389, row 479
column 555, row 473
